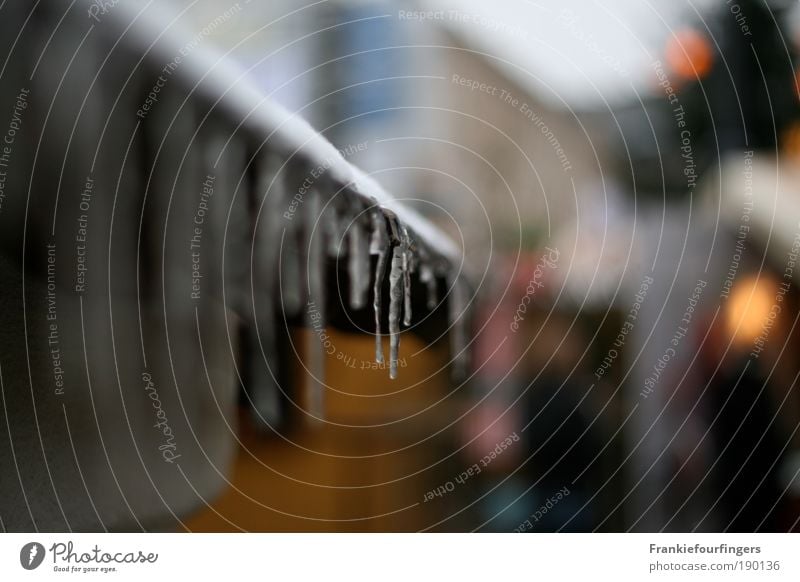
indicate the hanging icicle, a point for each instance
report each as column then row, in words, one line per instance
column 377, row 241
column 395, row 303
column 427, row 276
column 358, row 264
column 315, row 308
column 458, row 329
column 290, row 265
column 334, row 232
column 379, row 245
column 406, row 250
column 262, row 373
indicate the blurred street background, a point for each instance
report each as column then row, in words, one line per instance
column 623, row 177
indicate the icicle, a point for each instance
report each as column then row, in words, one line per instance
column 379, row 245
column 336, row 234
column 315, row 310
column 458, row 329
column 358, row 265
column 364, row 263
column 406, row 252
column 332, row 229
column 377, row 242
column 395, row 301
column 427, row 276
column 291, row 277
column 316, row 252
column 263, row 365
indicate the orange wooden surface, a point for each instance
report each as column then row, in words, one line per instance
column 366, row 468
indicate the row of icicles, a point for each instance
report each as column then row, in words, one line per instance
column 352, row 227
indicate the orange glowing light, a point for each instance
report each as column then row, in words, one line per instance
column 791, row 141
column 688, row 53
column 797, row 84
column 749, row 307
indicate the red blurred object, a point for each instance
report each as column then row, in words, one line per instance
column 689, row 54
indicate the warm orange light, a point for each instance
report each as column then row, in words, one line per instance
column 797, row 84
column 791, row 141
column 688, row 53
column 749, row 305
